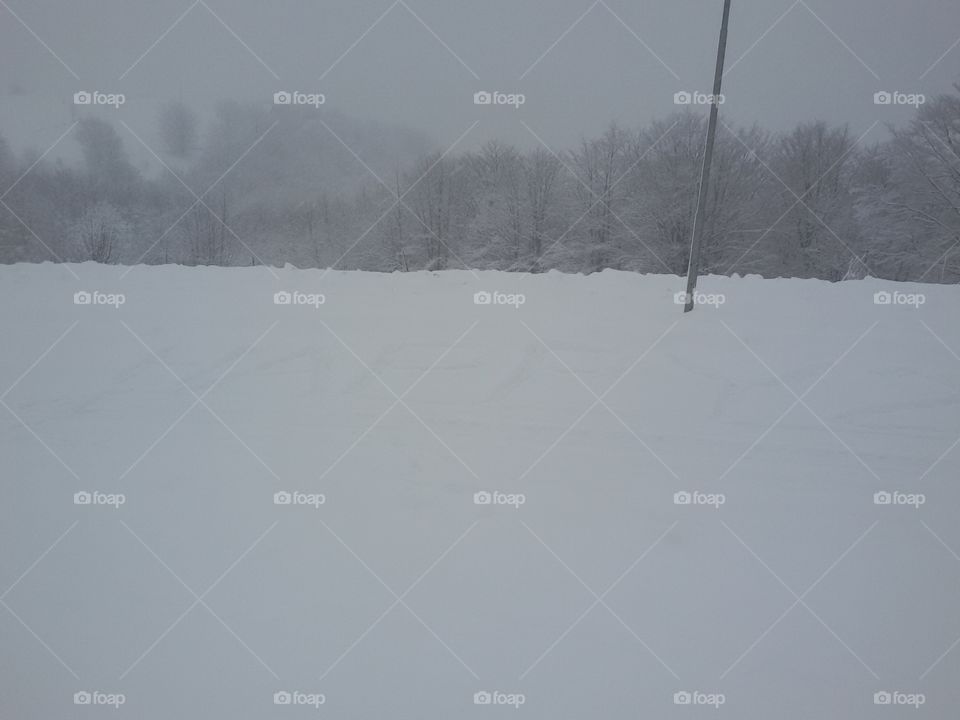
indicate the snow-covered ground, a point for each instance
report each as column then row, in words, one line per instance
column 395, row 401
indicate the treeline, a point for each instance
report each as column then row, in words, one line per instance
column 309, row 187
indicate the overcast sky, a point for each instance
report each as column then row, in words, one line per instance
column 418, row 62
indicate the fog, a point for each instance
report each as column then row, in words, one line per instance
column 417, row 63
column 348, row 361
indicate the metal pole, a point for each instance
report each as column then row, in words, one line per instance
column 694, row 267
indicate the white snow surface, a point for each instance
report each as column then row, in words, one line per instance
column 398, row 399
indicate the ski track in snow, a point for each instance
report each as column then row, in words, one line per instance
column 500, row 594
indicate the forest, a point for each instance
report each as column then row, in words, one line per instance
column 310, row 187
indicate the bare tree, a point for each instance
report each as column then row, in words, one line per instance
column 813, row 162
column 541, row 172
column 101, row 232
